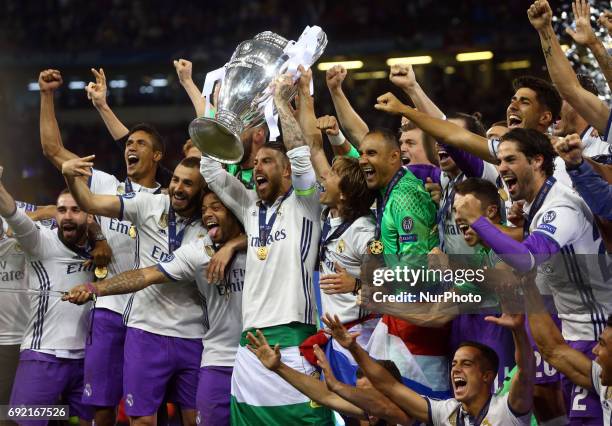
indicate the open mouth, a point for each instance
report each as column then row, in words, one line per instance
column 405, row 159
column 261, row 181
column 460, row 384
column 369, row 172
column 69, row 229
column 213, row 228
column 179, row 199
column 464, row 228
column 132, row 159
column 514, row 121
column 511, row 183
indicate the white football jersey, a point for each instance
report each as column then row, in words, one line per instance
column 169, row 310
column 451, row 237
column 54, row 327
column 116, row 233
column 348, row 250
column 604, row 392
column 14, row 307
column 447, row 413
column 277, row 290
column 222, row 303
column 579, row 276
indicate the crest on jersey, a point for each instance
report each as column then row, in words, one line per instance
column 87, row 390
column 608, row 393
column 341, row 246
column 163, row 221
column 129, row 400
column 549, row 216
column 210, row 251
column 407, row 224
column 120, row 189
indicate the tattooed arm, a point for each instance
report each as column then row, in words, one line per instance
column 127, row 282
column 292, row 134
column 588, row 105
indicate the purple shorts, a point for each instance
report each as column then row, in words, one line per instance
column 584, row 407
column 104, row 360
column 544, row 373
column 41, row 379
column 213, row 399
column 156, row 366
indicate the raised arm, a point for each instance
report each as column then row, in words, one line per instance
column 103, row 205
column 369, row 399
column 408, row 400
column 126, row 282
column 308, row 385
column 50, row 138
column 184, row 71
column 589, row 106
column 442, row 130
column 584, row 35
column 348, row 117
column 521, row 388
column 572, row 363
column 97, row 93
column 402, row 75
column 292, row 134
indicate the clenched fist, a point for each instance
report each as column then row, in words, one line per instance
column 183, row 69
column 329, row 125
column 49, row 80
column 334, row 77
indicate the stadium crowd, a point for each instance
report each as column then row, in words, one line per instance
column 243, row 293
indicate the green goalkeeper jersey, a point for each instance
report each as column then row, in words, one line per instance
column 409, row 219
column 244, row 175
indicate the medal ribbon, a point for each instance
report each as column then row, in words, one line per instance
column 448, row 200
column 537, row 204
column 129, row 188
column 175, row 240
column 381, row 202
column 334, row 236
column 266, row 228
column 476, row 421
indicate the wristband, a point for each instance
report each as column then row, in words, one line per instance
column 93, row 290
column 336, row 140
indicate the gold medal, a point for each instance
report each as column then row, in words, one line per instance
column 120, row 190
column 376, row 247
column 503, row 194
column 210, row 251
column 262, row 253
column 132, row 231
column 101, row 272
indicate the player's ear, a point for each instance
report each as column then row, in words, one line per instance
column 492, row 211
column 157, row 156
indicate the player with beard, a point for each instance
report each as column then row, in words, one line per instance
column 281, row 219
column 51, row 359
column 252, row 139
column 559, row 229
column 143, row 152
column 158, row 317
column 223, row 302
column 473, row 370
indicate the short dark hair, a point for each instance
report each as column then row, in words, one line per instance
column 546, row 94
column 353, row 185
column 588, row 84
column 64, row 191
column 387, row 365
column 482, row 189
column 473, row 122
column 387, row 135
column 531, row 143
column 158, row 140
column 276, row 146
column 501, row 123
column 487, row 352
column 190, row 162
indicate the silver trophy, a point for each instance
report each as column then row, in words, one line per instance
column 245, row 90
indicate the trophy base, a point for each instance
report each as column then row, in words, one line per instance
column 215, row 140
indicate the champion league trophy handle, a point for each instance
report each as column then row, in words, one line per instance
column 245, row 90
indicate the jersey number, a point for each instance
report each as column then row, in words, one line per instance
column 548, row 370
column 580, row 393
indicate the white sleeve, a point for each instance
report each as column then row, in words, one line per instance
column 233, row 194
column 489, row 172
column 563, row 223
column 27, row 233
column 304, row 179
column 363, row 235
column 100, row 181
column 595, row 379
column 135, row 206
column 184, row 262
column 493, row 146
column 439, row 410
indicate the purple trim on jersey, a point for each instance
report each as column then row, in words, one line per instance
column 469, row 164
column 424, row 171
column 120, row 207
column 593, row 189
column 163, row 271
column 518, row 255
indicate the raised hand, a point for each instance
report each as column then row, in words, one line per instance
column 49, row 80
column 269, row 357
column 330, row 379
column 340, row 282
column 467, row 207
column 584, row 33
column 402, row 75
column 283, row 88
column 569, row 149
column 605, row 20
column 96, row 92
column 183, row 69
column 540, row 14
column 304, row 80
column 329, row 125
column 339, row 331
column 78, row 166
column 510, row 321
column 334, row 77
column 516, row 214
column 389, row 103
